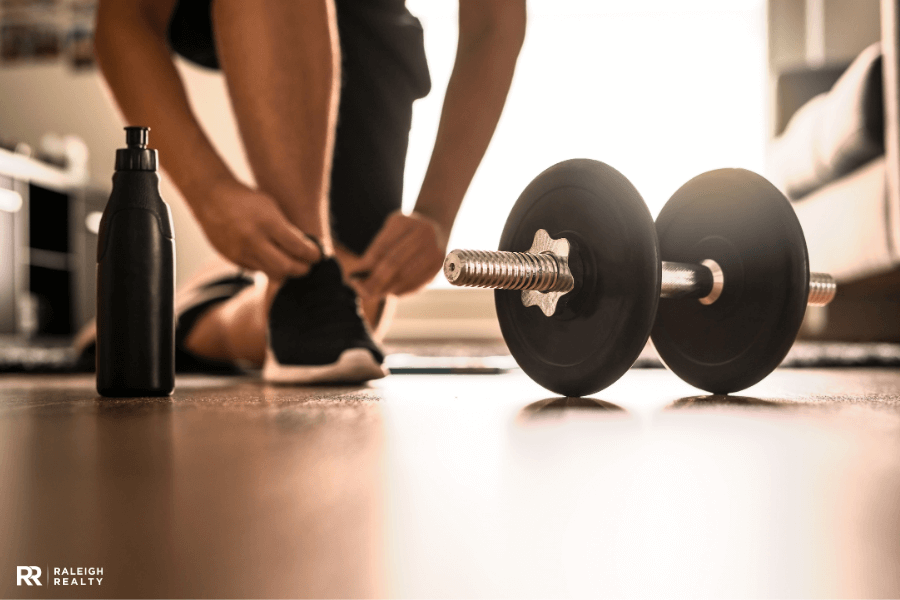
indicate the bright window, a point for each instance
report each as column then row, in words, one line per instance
column 661, row 90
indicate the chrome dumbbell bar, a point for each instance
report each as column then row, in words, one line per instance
column 544, row 270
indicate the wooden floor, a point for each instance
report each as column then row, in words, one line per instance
column 456, row 486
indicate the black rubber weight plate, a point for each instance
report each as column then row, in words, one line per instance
column 601, row 326
column 745, row 224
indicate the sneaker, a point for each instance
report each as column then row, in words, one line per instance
column 317, row 334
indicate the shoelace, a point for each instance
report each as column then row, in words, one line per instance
column 320, row 306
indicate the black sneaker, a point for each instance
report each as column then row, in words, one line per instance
column 317, row 334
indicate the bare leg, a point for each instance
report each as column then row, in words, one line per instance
column 234, row 330
column 281, row 61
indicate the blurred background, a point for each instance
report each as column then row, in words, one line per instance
column 660, row 90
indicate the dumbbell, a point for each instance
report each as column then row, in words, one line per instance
column 583, row 277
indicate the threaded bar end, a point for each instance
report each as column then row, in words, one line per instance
column 822, row 289
column 507, row 271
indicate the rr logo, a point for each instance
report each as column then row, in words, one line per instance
column 28, row 574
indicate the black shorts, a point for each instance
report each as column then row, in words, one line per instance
column 383, row 71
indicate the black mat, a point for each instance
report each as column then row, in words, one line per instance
column 45, row 355
column 464, row 357
column 474, row 357
column 493, row 357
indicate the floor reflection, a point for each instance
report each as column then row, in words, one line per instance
column 558, row 406
column 725, row 400
column 263, row 492
column 130, row 407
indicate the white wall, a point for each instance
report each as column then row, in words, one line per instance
column 809, row 32
column 660, row 90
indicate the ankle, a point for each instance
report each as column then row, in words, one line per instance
column 272, row 287
column 378, row 313
column 206, row 338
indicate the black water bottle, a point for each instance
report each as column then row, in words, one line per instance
column 136, row 279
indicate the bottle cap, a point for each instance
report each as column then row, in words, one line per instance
column 136, row 157
column 137, row 137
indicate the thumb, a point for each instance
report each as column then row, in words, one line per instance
column 384, row 242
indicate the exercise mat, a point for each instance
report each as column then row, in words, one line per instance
column 468, row 357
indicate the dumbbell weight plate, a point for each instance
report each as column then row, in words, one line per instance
column 742, row 222
column 600, row 327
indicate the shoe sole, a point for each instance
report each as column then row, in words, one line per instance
column 354, row 365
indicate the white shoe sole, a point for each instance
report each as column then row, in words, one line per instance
column 353, row 366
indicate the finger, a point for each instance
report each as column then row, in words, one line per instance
column 355, row 285
column 412, row 259
column 416, row 273
column 392, row 266
column 359, row 276
column 388, row 269
column 419, row 268
column 407, row 276
column 391, row 235
column 379, row 276
column 245, row 262
column 415, row 281
column 276, row 263
column 243, row 257
column 294, row 242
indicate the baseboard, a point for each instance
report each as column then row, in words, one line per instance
column 465, row 314
column 862, row 311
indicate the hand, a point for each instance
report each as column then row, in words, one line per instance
column 248, row 228
column 405, row 255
